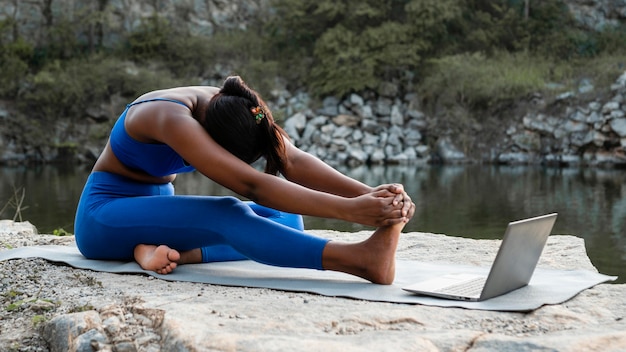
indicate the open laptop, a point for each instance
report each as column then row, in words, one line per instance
column 513, row 267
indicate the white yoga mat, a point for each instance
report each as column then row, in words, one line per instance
column 546, row 287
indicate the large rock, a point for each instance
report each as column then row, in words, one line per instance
column 142, row 313
column 619, row 126
column 200, row 17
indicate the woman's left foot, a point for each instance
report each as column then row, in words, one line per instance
column 160, row 259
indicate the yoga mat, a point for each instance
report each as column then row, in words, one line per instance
column 547, row 286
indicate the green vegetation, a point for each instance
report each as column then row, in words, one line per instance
column 353, row 45
column 61, row 232
column 21, row 303
column 12, row 293
column 475, row 80
column 38, row 319
column 476, row 53
column 83, row 308
column 14, row 306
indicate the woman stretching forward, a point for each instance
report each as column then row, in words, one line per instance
column 128, row 209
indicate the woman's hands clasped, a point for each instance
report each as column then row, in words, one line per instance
column 385, row 205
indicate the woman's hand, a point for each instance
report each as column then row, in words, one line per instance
column 401, row 198
column 384, row 205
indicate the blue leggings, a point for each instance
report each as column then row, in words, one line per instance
column 115, row 214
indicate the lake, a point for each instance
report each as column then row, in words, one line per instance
column 474, row 201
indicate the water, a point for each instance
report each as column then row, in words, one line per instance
column 474, row 201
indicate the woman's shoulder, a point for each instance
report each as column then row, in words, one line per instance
column 188, row 90
column 186, row 93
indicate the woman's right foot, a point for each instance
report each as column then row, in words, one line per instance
column 373, row 259
column 160, row 259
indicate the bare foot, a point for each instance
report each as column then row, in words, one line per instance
column 373, row 259
column 381, row 263
column 160, row 259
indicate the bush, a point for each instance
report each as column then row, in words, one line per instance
column 15, row 56
column 342, row 64
column 603, row 69
column 64, row 91
column 352, row 45
column 244, row 53
column 611, row 40
column 188, row 56
column 477, row 81
column 14, row 70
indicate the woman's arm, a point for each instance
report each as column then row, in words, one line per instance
column 185, row 135
column 309, row 171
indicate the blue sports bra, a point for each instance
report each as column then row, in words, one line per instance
column 156, row 159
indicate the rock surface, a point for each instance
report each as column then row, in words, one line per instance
column 50, row 307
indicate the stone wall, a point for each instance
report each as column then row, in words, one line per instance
column 593, row 133
column 388, row 130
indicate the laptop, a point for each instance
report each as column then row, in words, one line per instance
column 513, row 267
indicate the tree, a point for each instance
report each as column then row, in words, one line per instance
column 355, row 44
column 15, row 55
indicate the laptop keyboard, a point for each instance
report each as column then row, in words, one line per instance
column 472, row 287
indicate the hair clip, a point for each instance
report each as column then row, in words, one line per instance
column 258, row 114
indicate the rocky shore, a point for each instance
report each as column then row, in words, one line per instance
column 385, row 129
column 50, row 307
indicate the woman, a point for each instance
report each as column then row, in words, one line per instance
column 128, row 209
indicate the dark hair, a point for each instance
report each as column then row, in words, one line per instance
column 231, row 123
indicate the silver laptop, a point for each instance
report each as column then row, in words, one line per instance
column 513, row 267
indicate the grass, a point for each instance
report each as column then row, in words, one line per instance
column 84, row 308
column 475, row 80
column 603, row 69
column 38, row 319
column 61, row 232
